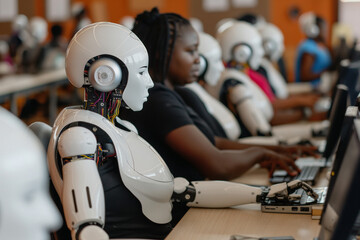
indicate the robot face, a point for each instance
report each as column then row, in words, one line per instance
column 26, row 210
column 210, row 49
column 257, row 52
column 215, row 67
column 273, row 41
column 139, row 81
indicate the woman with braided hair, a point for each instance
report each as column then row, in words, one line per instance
column 182, row 138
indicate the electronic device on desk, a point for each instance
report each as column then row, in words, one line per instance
column 306, row 205
column 343, row 204
column 240, row 237
column 310, row 166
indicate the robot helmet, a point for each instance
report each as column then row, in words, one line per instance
column 224, row 24
column 308, row 25
column 273, row 41
column 19, row 23
column 241, row 42
column 211, row 65
column 38, row 29
column 106, row 56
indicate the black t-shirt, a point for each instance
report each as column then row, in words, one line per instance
column 193, row 101
column 164, row 112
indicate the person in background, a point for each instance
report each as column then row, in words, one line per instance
column 181, row 137
column 313, row 56
column 80, row 15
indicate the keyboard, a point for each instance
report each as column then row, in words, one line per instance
column 308, row 174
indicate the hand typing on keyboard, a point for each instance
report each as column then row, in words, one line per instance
column 273, row 161
column 285, row 192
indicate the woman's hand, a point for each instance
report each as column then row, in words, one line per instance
column 300, row 151
column 272, row 161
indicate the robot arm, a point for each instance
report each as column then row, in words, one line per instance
column 82, row 194
column 253, row 119
column 220, row 194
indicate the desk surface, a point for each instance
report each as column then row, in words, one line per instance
column 246, row 220
column 18, row 83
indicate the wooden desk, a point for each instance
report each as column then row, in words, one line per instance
column 246, row 220
column 24, row 84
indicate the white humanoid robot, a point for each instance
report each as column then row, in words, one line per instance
column 111, row 64
column 273, row 44
column 244, row 94
column 26, row 209
column 211, row 67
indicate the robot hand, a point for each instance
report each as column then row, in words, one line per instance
column 92, row 232
column 284, row 192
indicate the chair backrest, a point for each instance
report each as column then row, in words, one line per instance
column 42, row 131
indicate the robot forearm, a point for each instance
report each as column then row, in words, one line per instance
column 216, row 194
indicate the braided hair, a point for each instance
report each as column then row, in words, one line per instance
column 158, row 32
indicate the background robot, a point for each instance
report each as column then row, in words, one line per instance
column 211, row 67
column 111, row 63
column 243, row 94
column 26, row 209
column 273, row 44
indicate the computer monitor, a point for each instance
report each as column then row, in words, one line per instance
column 344, row 203
column 336, row 119
column 351, row 114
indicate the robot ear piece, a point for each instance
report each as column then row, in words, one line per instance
column 242, row 52
column 269, row 46
column 105, row 74
column 203, row 65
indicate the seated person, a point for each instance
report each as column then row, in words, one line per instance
column 313, row 56
column 242, row 52
column 111, row 182
column 26, row 209
column 167, row 122
column 29, row 55
column 53, row 54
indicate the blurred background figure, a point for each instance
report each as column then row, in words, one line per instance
column 26, row 210
column 19, row 33
column 80, row 15
column 313, row 56
column 273, row 44
column 53, row 54
column 254, row 19
column 5, row 60
column 29, row 55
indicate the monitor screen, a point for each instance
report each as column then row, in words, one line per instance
column 344, row 203
column 336, row 119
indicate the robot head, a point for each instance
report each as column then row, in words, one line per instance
column 242, row 43
column 38, row 29
column 26, row 209
column 19, row 23
column 310, row 24
column 211, row 65
column 273, row 41
column 108, row 56
column 223, row 24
